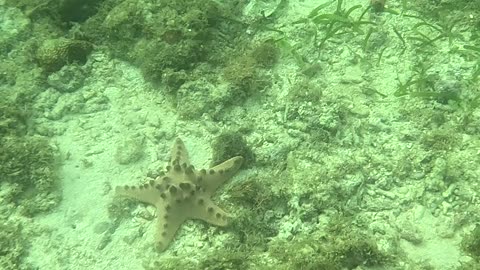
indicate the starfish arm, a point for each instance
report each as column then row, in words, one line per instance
column 216, row 176
column 167, row 226
column 145, row 193
column 204, row 209
column 179, row 154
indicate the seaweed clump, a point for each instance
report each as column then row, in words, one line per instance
column 13, row 119
column 230, row 144
column 12, row 247
column 28, row 163
column 471, row 244
column 161, row 38
column 28, row 179
column 28, row 167
column 339, row 247
column 246, row 72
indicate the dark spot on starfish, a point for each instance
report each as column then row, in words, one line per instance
column 172, row 189
column 163, row 195
column 145, row 185
column 164, row 234
column 165, row 216
column 168, row 168
column 178, row 200
column 185, row 186
column 168, row 207
column 189, row 169
column 210, row 209
column 167, row 179
column 199, row 179
column 203, row 171
column 201, row 201
column 221, row 171
column 165, row 225
column 162, row 173
column 192, row 192
column 218, row 215
column 176, row 160
column 126, row 187
column 152, row 183
column 158, row 186
column 237, row 161
column 177, row 167
column 211, row 171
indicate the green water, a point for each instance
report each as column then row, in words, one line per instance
column 357, row 123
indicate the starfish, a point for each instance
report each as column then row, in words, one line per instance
column 181, row 192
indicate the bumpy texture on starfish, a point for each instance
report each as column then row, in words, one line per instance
column 182, row 192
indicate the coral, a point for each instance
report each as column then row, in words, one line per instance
column 266, row 54
column 244, row 77
column 13, row 118
column 154, row 58
column 345, row 249
column 257, row 217
column 471, row 244
column 176, row 36
column 173, row 79
column 229, row 144
column 177, row 44
column 12, row 247
column 53, row 54
column 28, row 167
column 246, row 71
column 182, row 192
